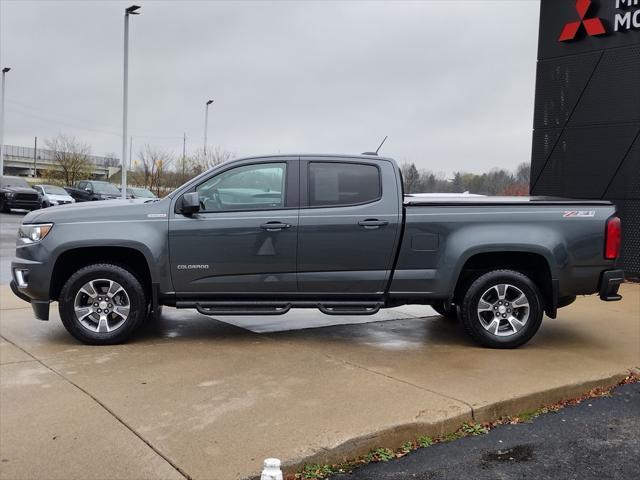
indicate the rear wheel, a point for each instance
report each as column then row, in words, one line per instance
column 502, row 309
column 102, row 304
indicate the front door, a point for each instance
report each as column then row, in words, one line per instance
column 243, row 241
column 349, row 226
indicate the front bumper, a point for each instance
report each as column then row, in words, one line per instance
column 22, row 204
column 609, row 285
column 30, row 282
column 40, row 307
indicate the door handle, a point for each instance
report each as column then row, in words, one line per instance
column 372, row 223
column 274, row 226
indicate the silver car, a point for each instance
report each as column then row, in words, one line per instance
column 53, row 195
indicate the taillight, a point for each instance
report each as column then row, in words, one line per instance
column 612, row 238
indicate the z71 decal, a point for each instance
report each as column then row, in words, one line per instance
column 579, row 213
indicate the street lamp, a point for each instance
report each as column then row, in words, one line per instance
column 4, row 72
column 206, row 122
column 125, row 93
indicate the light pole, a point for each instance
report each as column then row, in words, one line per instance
column 4, row 72
column 125, row 93
column 206, row 123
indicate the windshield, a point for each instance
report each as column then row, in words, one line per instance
column 142, row 192
column 53, row 190
column 13, row 182
column 105, row 187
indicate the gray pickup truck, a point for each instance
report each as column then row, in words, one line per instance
column 259, row 236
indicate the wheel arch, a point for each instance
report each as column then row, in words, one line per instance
column 71, row 260
column 535, row 264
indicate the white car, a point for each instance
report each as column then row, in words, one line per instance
column 53, row 195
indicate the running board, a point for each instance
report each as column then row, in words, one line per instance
column 266, row 307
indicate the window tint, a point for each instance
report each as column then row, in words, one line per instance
column 333, row 183
column 250, row 187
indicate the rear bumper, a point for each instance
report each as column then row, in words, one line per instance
column 609, row 285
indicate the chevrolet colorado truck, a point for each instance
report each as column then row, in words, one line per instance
column 259, row 236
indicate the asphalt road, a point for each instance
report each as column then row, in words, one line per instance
column 9, row 223
column 600, row 438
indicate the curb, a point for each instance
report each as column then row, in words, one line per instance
column 395, row 436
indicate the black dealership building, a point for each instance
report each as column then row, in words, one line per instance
column 586, row 139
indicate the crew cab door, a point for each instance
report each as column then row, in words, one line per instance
column 243, row 242
column 349, row 225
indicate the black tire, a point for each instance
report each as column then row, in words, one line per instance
column 134, row 293
column 44, row 204
column 3, row 206
column 446, row 309
column 472, row 319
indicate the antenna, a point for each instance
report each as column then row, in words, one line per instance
column 378, row 149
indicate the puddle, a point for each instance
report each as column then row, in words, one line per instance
column 519, row 453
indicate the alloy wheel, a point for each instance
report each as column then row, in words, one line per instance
column 102, row 305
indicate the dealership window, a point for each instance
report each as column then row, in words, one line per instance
column 249, row 187
column 334, row 184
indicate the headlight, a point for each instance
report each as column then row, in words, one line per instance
column 33, row 233
column 11, row 194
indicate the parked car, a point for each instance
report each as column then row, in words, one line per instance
column 89, row 190
column 259, row 236
column 138, row 192
column 52, row 195
column 15, row 192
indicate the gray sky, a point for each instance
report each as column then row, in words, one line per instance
column 451, row 82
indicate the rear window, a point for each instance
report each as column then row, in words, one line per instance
column 334, row 183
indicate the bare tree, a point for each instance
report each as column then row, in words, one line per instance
column 71, row 157
column 150, row 170
column 202, row 161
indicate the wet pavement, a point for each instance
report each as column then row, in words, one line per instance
column 600, row 438
column 197, row 397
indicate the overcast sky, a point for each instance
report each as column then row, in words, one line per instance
column 451, row 82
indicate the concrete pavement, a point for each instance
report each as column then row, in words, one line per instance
column 195, row 397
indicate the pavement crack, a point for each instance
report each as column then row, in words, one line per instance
column 107, row 409
column 390, row 377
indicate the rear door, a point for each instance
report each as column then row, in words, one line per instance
column 244, row 239
column 349, row 225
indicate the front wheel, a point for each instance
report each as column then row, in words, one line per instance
column 102, row 304
column 502, row 309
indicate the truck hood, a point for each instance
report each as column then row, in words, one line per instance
column 104, row 210
column 19, row 190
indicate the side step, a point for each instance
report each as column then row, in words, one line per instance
column 266, row 307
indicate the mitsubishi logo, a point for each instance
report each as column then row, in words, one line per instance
column 593, row 26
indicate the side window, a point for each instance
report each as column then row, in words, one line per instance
column 333, row 184
column 82, row 185
column 249, row 187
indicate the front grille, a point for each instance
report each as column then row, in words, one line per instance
column 29, row 197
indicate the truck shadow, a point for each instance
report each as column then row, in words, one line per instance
column 395, row 334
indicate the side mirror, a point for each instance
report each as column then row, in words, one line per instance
column 88, row 189
column 190, row 203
